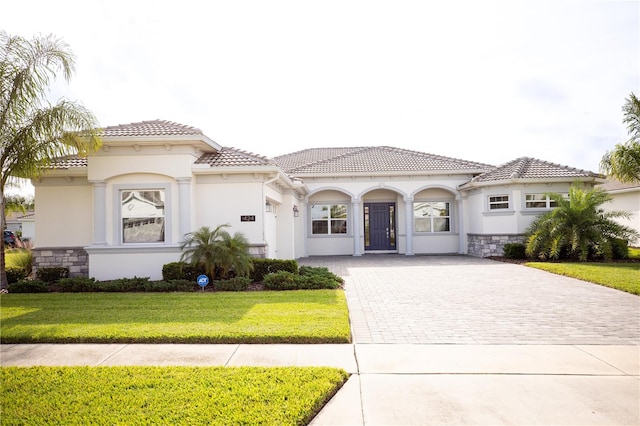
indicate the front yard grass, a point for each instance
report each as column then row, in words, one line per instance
column 306, row 316
column 166, row 395
column 621, row 276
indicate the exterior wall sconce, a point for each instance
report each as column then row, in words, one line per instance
column 296, row 212
column 268, row 207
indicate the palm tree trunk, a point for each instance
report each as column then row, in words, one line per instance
column 4, row 282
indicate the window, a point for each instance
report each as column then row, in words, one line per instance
column 328, row 219
column 538, row 201
column 143, row 216
column 432, row 216
column 497, row 202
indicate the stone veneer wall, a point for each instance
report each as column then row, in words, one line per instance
column 74, row 258
column 485, row 245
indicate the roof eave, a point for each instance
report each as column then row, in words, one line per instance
column 390, row 173
column 201, row 141
column 471, row 184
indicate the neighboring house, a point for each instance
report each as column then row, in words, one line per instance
column 123, row 211
column 626, row 197
column 22, row 224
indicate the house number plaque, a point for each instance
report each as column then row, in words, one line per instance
column 247, row 218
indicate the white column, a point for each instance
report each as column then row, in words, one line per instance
column 306, row 218
column 460, row 227
column 184, row 206
column 99, row 212
column 356, row 227
column 408, row 219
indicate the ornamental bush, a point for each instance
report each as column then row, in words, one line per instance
column 16, row 274
column 232, row 284
column 52, row 274
column 262, row 267
column 514, row 251
column 29, row 286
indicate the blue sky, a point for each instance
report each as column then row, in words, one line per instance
column 488, row 81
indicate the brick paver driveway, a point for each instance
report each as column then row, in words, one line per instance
column 462, row 299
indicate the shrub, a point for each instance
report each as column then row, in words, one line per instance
column 29, row 286
column 281, row 280
column 124, row 285
column 76, row 285
column 52, row 274
column 262, row 267
column 514, row 251
column 16, row 274
column 184, row 285
column 620, row 249
column 233, row 284
column 21, row 258
column 181, row 271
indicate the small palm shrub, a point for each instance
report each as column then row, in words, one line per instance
column 577, row 227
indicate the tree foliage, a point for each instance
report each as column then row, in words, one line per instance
column 217, row 250
column 577, row 227
column 34, row 132
column 623, row 162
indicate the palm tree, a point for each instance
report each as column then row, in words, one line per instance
column 233, row 254
column 623, row 163
column 33, row 133
column 577, row 225
column 201, row 247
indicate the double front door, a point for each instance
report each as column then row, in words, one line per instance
column 379, row 226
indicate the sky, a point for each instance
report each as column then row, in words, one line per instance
column 486, row 81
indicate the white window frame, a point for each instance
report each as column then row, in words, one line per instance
column 492, row 205
column 417, row 204
column 118, row 235
column 548, row 202
column 329, row 219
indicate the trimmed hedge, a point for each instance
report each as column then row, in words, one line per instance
column 309, row 278
column 181, row 271
column 233, row 284
column 52, row 274
column 16, row 274
column 263, row 267
column 514, row 251
column 28, row 286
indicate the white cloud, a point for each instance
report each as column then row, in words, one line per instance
column 486, row 81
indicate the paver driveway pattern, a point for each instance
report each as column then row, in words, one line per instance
column 468, row 300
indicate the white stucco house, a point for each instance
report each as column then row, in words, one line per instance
column 123, row 211
column 625, row 197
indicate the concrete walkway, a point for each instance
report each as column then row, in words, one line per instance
column 442, row 340
column 415, row 384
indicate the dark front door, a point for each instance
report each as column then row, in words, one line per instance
column 379, row 226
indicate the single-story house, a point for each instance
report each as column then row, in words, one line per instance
column 625, row 197
column 123, row 211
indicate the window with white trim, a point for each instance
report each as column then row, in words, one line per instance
column 538, row 201
column 328, row 219
column 142, row 214
column 432, row 216
column 498, row 202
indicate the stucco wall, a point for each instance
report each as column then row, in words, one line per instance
column 64, row 213
column 628, row 201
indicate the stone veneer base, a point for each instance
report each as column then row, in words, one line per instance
column 485, row 245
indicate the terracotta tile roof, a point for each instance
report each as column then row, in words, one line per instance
column 531, row 168
column 230, row 157
column 370, row 159
column 149, row 128
column 68, row 162
column 615, row 185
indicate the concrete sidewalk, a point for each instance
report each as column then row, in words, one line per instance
column 414, row 384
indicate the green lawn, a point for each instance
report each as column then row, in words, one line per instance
column 166, row 395
column 307, row 316
column 634, row 253
column 621, row 276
